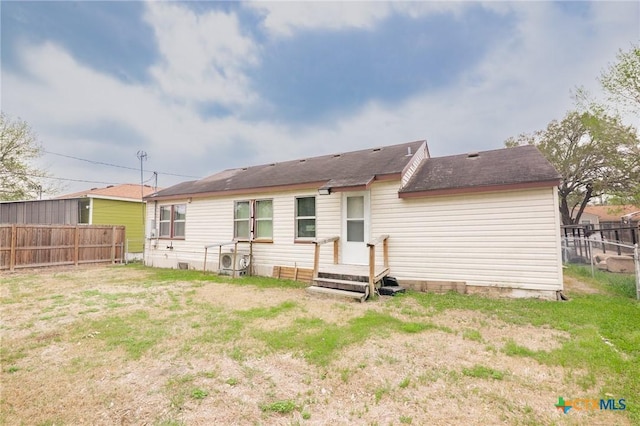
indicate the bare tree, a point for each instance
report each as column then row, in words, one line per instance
column 19, row 179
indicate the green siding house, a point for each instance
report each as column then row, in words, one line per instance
column 116, row 205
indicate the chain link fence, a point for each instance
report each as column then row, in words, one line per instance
column 603, row 256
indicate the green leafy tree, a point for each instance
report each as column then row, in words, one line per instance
column 622, row 79
column 19, row 179
column 595, row 154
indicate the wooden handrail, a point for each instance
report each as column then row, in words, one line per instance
column 378, row 240
column 316, row 252
column 372, row 258
column 325, row 240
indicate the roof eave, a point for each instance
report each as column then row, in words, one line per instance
column 112, row 198
column 278, row 188
column 479, row 189
column 210, row 194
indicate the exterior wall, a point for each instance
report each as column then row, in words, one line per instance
column 506, row 239
column 503, row 239
column 59, row 212
column 210, row 221
column 589, row 219
column 127, row 213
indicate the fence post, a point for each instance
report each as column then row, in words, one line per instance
column 76, row 247
column 636, row 261
column 593, row 272
column 113, row 244
column 12, row 253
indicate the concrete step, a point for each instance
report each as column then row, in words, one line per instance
column 337, row 294
column 359, row 287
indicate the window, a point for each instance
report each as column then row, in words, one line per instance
column 355, row 218
column 172, row 221
column 253, row 220
column 84, row 206
column 264, row 219
column 305, row 217
column 242, row 220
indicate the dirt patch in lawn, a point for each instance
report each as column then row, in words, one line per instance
column 108, row 345
column 572, row 285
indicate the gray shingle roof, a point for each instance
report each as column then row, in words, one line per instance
column 496, row 168
column 508, row 166
column 337, row 170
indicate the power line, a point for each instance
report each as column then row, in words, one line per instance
column 75, row 180
column 114, row 165
column 89, row 161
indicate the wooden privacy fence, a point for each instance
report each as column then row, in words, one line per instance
column 30, row 246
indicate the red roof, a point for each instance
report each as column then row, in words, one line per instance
column 611, row 213
column 126, row 191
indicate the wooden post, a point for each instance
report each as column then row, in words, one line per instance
column 316, row 259
column 250, row 271
column 12, row 255
column 233, row 266
column 372, row 268
column 76, row 246
column 113, row 244
column 335, row 251
column 385, row 252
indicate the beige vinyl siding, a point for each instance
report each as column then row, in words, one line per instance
column 210, row 221
column 508, row 239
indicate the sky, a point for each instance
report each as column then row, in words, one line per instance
column 205, row 86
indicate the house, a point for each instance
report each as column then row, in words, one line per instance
column 488, row 220
column 619, row 223
column 610, row 216
column 112, row 205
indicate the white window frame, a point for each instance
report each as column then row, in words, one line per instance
column 298, row 218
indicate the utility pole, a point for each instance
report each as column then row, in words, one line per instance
column 142, row 156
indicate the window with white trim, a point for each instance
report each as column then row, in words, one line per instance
column 173, row 220
column 264, row 220
column 305, row 217
column 242, row 220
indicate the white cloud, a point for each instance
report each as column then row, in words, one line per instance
column 519, row 86
column 203, row 56
column 285, row 18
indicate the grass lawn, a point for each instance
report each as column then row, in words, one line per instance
column 135, row 345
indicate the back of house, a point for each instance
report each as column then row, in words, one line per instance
column 488, row 220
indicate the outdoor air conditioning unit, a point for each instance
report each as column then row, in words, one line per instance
column 241, row 263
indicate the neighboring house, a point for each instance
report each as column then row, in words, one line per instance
column 488, row 219
column 614, row 222
column 113, row 205
column 610, row 216
column 59, row 212
column 116, row 205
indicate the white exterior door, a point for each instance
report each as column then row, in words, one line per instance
column 355, row 228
